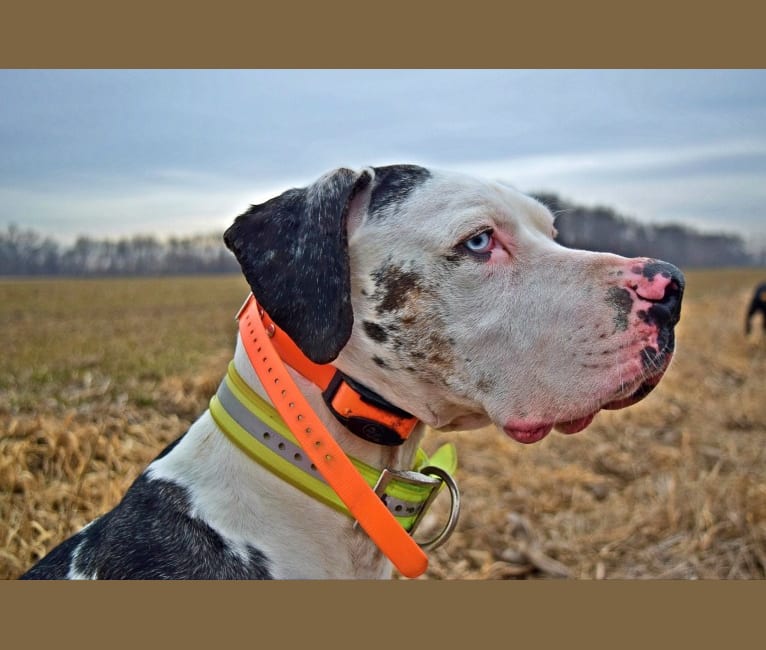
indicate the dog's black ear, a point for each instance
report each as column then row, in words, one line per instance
column 293, row 251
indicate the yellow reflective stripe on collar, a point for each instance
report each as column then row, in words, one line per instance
column 445, row 457
column 271, row 461
column 304, row 479
column 254, row 403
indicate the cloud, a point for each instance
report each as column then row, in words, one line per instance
column 699, row 185
column 116, row 151
column 170, row 205
column 693, row 185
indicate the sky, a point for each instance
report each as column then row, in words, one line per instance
column 112, row 153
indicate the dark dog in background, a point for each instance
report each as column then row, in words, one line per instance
column 757, row 304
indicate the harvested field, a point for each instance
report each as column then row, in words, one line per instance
column 98, row 375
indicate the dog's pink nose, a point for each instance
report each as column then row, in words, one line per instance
column 661, row 284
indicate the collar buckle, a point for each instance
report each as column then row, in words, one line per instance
column 431, row 476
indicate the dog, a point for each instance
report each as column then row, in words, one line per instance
column 436, row 298
column 757, row 304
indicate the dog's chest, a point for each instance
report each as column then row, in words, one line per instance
column 253, row 510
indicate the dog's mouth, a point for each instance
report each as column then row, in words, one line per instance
column 529, row 434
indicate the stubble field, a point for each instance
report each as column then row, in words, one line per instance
column 98, row 375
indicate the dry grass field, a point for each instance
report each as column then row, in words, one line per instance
column 98, row 375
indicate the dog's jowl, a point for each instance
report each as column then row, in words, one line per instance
column 411, row 298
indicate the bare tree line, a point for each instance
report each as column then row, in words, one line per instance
column 602, row 229
column 27, row 252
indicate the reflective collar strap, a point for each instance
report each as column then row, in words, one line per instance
column 255, row 426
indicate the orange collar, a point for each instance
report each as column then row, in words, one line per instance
column 359, row 409
column 320, row 447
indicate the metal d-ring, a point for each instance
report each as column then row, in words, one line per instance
column 437, row 541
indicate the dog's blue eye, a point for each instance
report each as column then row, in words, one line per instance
column 480, row 243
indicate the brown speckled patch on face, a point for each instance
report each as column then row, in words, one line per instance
column 408, row 314
column 486, row 383
column 393, row 286
column 440, row 351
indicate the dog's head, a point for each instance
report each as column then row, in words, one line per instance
column 448, row 296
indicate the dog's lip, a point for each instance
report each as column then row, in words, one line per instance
column 636, row 396
column 575, row 426
column 529, row 433
column 644, row 388
column 534, row 432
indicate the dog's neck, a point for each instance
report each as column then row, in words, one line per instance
column 398, row 457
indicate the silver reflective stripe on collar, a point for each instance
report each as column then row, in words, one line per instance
column 264, row 434
column 293, row 454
